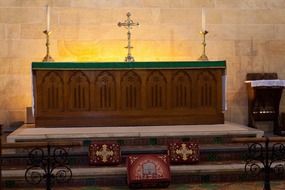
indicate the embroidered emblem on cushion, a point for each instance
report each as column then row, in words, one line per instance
column 148, row 170
column 104, row 154
column 183, row 153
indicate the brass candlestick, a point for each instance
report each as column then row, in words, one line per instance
column 47, row 58
column 204, row 57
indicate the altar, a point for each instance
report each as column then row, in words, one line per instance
column 69, row 94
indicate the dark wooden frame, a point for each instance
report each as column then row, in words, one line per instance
column 263, row 102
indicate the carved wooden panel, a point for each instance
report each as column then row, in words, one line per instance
column 52, row 89
column 156, row 90
column 105, row 91
column 128, row 97
column 79, row 92
column 131, row 91
column 207, row 90
column 182, row 93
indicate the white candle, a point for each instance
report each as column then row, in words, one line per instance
column 203, row 20
column 48, row 18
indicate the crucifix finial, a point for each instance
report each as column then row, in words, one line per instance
column 128, row 25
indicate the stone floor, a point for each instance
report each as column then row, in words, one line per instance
column 275, row 185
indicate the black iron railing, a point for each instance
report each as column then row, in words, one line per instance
column 265, row 155
column 0, row 155
column 47, row 161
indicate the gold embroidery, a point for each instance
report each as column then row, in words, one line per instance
column 104, row 153
column 184, row 151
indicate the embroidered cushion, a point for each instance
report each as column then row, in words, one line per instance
column 148, row 170
column 183, row 153
column 104, row 154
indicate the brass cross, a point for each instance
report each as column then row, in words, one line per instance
column 184, row 151
column 128, row 25
column 104, row 153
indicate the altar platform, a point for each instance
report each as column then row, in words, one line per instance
column 28, row 132
column 220, row 158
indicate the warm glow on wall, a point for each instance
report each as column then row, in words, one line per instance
column 104, row 51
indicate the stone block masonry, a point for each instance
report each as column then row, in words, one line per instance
column 248, row 34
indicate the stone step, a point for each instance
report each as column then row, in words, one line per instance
column 220, row 160
column 117, row 175
column 79, row 156
column 122, row 170
column 149, row 149
column 138, row 135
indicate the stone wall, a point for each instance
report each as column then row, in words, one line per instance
column 249, row 34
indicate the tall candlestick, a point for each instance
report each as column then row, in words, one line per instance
column 48, row 18
column 47, row 32
column 204, row 57
column 47, row 58
column 203, row 20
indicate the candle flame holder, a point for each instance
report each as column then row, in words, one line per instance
column 203, row 57
column 47, row 58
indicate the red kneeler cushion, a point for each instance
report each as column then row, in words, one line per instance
column 104, row 154
column 183, row 153
column 148, row 170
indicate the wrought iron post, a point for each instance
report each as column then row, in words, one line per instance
column 0, row 155
column 51, row 167
column 48, row 181
column 263, row 159
column 267, row 167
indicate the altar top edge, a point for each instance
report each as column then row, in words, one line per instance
column 128, row 65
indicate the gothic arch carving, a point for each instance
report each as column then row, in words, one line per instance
column 207, row 89
column 131, row 90
column 105, row 91
column 52, row 89
column 182, row 94
column 79, row 92
column 156, row 90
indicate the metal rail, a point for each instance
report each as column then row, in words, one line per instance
column 47, row 161
column 263, row 157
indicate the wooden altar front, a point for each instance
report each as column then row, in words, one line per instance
column 127, row 94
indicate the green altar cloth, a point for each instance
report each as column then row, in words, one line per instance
column 127, row 65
